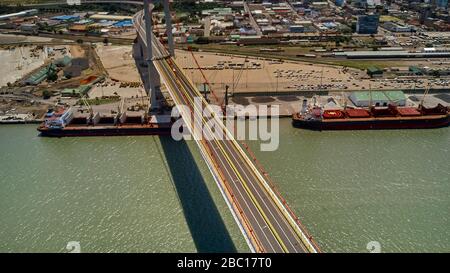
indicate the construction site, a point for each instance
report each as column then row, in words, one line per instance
column 45, row 74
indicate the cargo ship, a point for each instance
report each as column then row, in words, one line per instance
column 64, row 123
column 390, row 117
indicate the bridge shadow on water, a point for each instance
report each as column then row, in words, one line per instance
column 202, row 216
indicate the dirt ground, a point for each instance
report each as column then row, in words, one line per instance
column 8, row 106
column 119, row 62
column 115, row 89
column 282, row 76
column 77, row 51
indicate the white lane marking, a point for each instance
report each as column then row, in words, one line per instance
column 156, row 46
column 239, row 190
column 263, row 200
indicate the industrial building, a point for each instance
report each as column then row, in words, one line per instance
column 19, row 14
column 396, row 27
column 391, row 54
column 76, row 92
column 374, row 71
column 365, row 98
column 41, row 75
column 367, row 24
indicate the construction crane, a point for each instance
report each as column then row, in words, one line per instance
column 424, row 95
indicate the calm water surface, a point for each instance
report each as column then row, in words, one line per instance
column 151, row 194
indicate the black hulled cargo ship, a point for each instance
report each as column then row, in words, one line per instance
column 63, row 123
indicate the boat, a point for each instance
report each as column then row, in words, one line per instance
column 64, row 123
column 391, row 117
column 372, row 117
column 119, row 130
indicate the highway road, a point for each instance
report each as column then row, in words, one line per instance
column 265, row 221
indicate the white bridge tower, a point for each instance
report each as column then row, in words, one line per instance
column 154, row 80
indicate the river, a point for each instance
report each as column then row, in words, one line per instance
column 152, row 194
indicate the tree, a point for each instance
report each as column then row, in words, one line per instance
column 202, row 40
column 46, row 94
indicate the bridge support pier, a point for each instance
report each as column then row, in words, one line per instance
column 168, row 19
column 154, row 80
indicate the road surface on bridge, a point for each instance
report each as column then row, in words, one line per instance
column 263, row 218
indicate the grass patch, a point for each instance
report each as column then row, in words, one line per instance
column 360, row 64
column 100, row 101
column 290, row 53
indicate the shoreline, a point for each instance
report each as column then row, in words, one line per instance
column 12, row 122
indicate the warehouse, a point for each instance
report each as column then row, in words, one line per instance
column 41, row 75
column 390, row 54
column 363, row 98
column 19, row 14
column 374, row 71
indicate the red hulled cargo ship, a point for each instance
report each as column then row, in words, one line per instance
column 391, row 117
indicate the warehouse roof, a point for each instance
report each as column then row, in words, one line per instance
column 380, row 96
column 110, row 17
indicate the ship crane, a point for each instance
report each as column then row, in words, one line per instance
column 424, row 95
column 89, row 107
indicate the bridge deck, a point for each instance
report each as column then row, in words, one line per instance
column 264, row 220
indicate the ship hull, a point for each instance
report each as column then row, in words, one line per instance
column 104, row 131
column 373, row 124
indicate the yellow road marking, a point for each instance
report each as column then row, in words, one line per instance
column 255, row 202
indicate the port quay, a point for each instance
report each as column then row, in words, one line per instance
column 241, row 129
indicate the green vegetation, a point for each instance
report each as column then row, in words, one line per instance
column 100, row 101
column 291, row 53
column 360, row 64
column 46, row 94
column 190, row 6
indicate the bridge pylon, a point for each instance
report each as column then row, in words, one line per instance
column 154, row 78
column 168, row 20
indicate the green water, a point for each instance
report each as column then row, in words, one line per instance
column 353, row 187
column 151, row 194
column 116, row 194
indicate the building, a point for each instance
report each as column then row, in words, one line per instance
column 396, row 27
column 110, row 17
column 29, row 28
column 367, row 24
column 78, row 28
column 374, row 71
column 339, row 3
column 442, row 4
column 62, row 62
column 391, row 54
column 377, row 98
column 296, row 29
column 69, row 18
column 76, row 92
column 41, row 75
column 19, row 14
